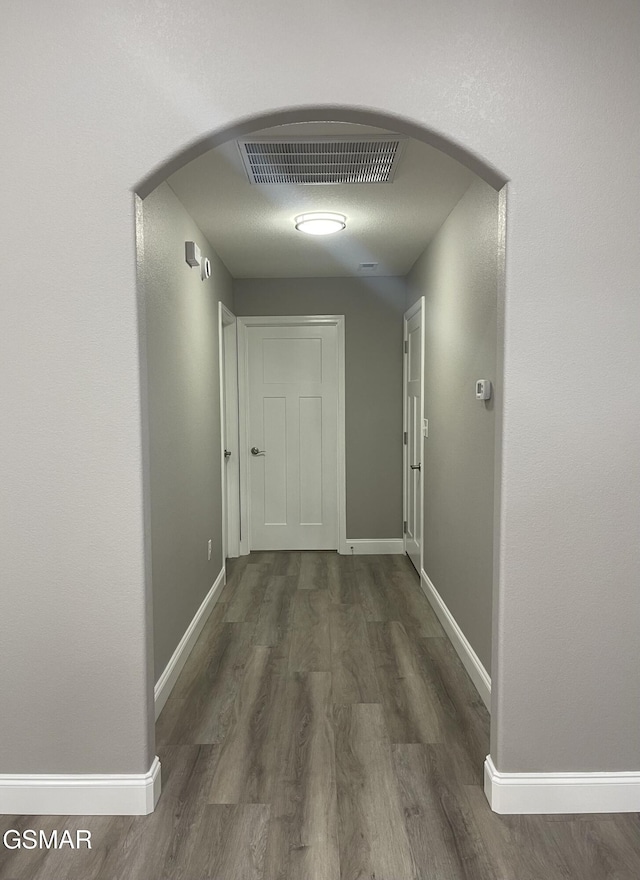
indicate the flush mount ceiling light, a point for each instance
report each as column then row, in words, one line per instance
column 320, row 223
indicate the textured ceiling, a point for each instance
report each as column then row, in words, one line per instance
column 251, row 226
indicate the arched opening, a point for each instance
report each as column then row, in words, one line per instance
column 488, row 176
column 328, row 113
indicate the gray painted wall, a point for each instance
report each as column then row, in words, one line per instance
column 101, row 95
column 373, row 309
column 184, row 417
column 458, row 276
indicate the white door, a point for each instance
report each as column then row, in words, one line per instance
column 413, row 423
column 292, row 432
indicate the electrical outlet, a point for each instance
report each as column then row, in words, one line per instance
column 209, row 549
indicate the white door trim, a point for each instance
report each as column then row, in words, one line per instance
column 243, row 322
column 228, row 394
column 418, row 306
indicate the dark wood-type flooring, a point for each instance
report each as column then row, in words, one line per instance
column 324, row 729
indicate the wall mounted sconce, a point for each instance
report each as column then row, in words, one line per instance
column 192, row 253
column 193, row 256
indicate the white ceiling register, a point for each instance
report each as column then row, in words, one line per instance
column 321, row 160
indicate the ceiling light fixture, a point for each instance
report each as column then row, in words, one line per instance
column 320, row 223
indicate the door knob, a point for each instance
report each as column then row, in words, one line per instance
column 256, row 451
column 415, row 467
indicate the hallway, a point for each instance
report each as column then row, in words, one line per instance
column 324, row 728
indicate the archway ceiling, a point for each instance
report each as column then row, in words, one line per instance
column 251, row 226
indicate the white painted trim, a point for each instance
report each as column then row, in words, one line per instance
column 364, row 546
column 226, row 314
column 418, row 306
column 174, row 667
column 342, row 434
column 81, row 794
column 289, row 320
column 510, row 793
column 244, row 321
column 470, row 660
column 404, row 428
column 414, row 309
column 423, row 354
column 243, row 431
column 228, row 395
column 222, row 318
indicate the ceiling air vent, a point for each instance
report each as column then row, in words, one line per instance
column 321, row 160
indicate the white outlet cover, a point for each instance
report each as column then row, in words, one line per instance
column 483, row 389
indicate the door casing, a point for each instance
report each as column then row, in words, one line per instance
column 243, row 399
column 418, row 306
column 227, row 348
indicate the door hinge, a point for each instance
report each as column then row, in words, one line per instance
column 406, row 346
column 405, row 438
column 404, row 527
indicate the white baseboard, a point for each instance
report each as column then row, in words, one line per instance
column 510, row 793
column 364, row 546
column 81, row 794
column 470, row 660
column 167, row 680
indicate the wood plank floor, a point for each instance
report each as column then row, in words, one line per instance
column 324, row 729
